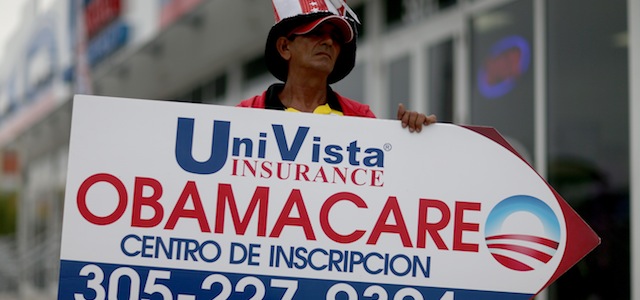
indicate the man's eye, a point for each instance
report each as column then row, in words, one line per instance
column 321, row 33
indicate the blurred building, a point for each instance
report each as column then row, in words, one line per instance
column 554, row 77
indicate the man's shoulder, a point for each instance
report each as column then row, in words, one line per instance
column 268, row 98
column 352, row 107
column 256, row 101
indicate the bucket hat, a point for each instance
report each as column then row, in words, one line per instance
column 302, row 16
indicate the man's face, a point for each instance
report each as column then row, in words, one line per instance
column 317, row 50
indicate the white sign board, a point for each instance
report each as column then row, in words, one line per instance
column 170, row 200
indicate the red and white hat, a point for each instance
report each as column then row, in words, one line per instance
column 302, row 16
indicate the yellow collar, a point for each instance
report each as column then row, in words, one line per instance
column 322, row 109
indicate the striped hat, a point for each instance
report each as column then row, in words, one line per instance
column 302, row 16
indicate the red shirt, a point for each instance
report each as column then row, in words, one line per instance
column 347, row 106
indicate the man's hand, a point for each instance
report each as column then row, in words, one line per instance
column 414, row 120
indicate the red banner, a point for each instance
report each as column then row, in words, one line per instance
column 99, row 13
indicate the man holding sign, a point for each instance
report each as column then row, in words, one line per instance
column 194, row 203
column 312, row 45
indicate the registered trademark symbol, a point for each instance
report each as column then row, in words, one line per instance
column 387, row 147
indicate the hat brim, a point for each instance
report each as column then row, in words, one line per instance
column 339, row 22
column 280, row 67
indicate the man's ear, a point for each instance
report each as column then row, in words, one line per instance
column 282, row 44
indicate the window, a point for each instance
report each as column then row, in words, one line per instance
column 360, row 12
column 393, row 12
column 215, row 90
column 193, row 95
column 442, row 4
column 440, row 85
column 255, row 68
column 352, row 86
column 399, row 87
column 502, row 74
column 398, row 12
column 211, row 92
column 588, row 144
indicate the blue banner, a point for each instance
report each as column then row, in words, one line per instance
column 86, row 280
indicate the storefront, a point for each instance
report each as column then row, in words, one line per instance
column 551, row 76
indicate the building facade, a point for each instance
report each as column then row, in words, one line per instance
column 554, row 77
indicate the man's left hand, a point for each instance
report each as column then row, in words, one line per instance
column 413, row 119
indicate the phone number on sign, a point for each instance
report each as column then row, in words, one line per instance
column 101, row 282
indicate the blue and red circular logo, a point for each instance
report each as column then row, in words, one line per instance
column 508, row 60
column 522, row 233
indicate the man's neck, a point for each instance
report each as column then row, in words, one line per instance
column 304, row 94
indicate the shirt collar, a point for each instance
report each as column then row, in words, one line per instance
column 273, row 102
